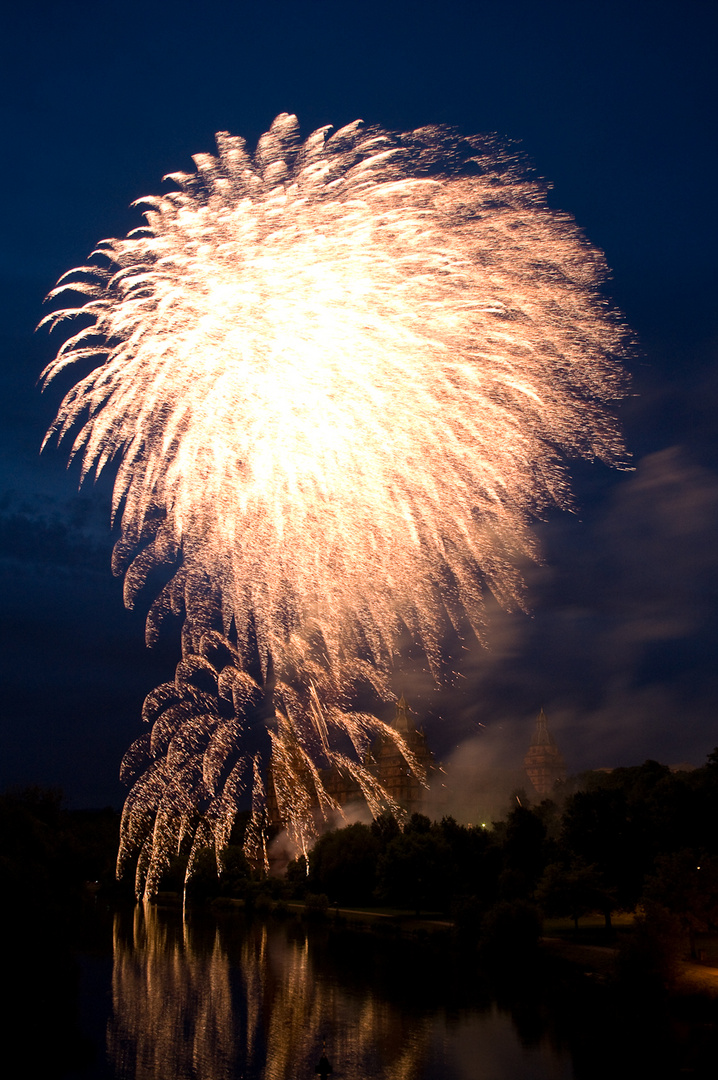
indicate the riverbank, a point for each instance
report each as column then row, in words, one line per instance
column 599, row 961
column 585, row 951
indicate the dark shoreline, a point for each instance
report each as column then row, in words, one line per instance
column 588, row 953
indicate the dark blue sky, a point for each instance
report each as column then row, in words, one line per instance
column 615, row 103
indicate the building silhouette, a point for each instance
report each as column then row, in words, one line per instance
column 390, row 766
column 386, row 762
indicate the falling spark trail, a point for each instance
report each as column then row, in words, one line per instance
column 337, row 380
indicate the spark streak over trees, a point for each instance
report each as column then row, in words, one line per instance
column 337, row 379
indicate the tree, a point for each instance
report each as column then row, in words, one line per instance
column 599, row 830
column 648, row 957
column 686, row 885
column 413, row 871
column 343, row 864
column 235, row 871
column 523, row 853
column 573, row 890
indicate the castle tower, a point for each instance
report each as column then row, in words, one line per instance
column 544, row 761
column 390, row 767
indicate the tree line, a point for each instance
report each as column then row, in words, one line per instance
column 634, row 838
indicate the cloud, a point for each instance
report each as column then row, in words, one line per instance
column 67, row 535
column 619, row 647
column 662, row 556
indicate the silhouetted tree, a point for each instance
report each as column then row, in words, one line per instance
column 598, row 830
column 573, row 890
column 523, row 853
column 686, row 885
column 343, row 864
column 414, row 870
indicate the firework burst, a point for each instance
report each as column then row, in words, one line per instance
column 337, row 379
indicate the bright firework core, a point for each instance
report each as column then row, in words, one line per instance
column 337, row 380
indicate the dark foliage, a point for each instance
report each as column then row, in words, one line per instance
column 343, row 865
column 634, row 836
column 510, row 932
column 52, row 862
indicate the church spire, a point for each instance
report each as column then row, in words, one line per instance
column 542, row 736
column 544, row 761
column 402, row 721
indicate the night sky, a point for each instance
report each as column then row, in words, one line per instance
column 615, row 104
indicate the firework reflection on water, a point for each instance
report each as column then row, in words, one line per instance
column 232, row 999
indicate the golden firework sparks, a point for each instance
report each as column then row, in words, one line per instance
column 337, row 379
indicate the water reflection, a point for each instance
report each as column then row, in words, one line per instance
column 200, row 998
column 172, row 1003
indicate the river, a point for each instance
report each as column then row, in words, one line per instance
column 167, row 996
